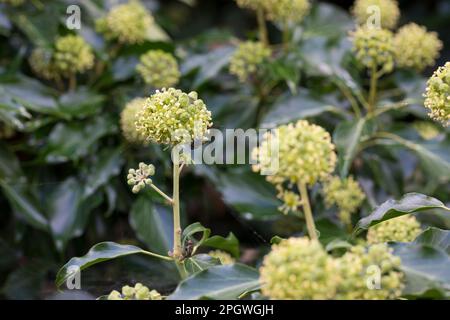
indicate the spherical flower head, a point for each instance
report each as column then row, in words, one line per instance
column 374, row 48
column 346, row 194
column 115, row 295
column 415, row 47
column 173, row 117
column 159, row 69
column 437, row 95
column 364, row 10
column 127, row 23
column 426, row 130
column 247, row 58
column 359, row 265
column 42, row 64
column 298, row 268
column 128, row 118
column 224, row 257
column 139, row 178
column 402, row 229
column 305, row 154
column 286, row 11
column 250, row 4
column 72, row 55
column 291, row 201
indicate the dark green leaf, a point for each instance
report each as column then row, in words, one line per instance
column 189, row 231
column 436, row 238
column 200, row 262
column 230, row 243
column 80, row 103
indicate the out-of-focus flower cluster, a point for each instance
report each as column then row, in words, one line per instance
column 158, row 69
column 306, row 154
column 224, row 257
column 374, row 48
column 402, row 229
column 139, row 178
column 128, row 118
column 248, row 57
column 171, row 116
column 126, row 23
column 286, row 11
column 415, row 47
column 138, row 292
column 299, row 268
column 42, row 64
column 426, row 130
column 437, row 95
column 389, row 12
column 72, row 55
column 250, row 4
column 346, row 194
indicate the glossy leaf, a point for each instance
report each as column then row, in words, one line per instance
column 200, row 262
column 229, row 244
column 436, row 238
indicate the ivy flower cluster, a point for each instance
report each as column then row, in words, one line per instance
column 306, row 154
column 437, row 95
column 388, row 10
column 374, row 48
column 42, row 64
column 138, row 292
column 415, row 47
column 286, row 11
column 402, row 229
column 128, row 118
column 126, row 23
column 299, row 268
column 139, row 178
column 224, row 257
column 171, row 116
column 346, row 194
column 72, row 55
column 158, row 69
column 248, row 57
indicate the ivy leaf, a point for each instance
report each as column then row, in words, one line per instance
column 189, row 231
column 218, row 282
column 230, row 243
column 200, row 262
column 409, row 203
column 435, row 237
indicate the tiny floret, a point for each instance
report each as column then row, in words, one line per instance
column 437, row 95
column 158, row 69
column 248, row 57
column 138, row 292
column 388, row 11
column 224, row 257
column 128, row 118
column 291, row 201
column 139, row 178
column 402, row 229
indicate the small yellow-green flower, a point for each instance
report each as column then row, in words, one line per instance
column 159, row 69
column 224, row 257
column 426, row 130
column 415, row 47
column 248, row 57
column 291, row 201
column 138, row 292
column 298, row 268
column 42, row 64
column 437, row 95
column 128, row 118
column 374, row 48
column 126, row 23
column 305, row 154
column 402, row 229
column 346, row 194
column 72, row 55
column 364, row 10
column 139, row 178
column 286, row 11
column 369, row 274
column 171, row 116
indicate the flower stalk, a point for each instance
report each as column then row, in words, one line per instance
column 307, row 211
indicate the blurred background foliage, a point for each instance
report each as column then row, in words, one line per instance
column 63, row 160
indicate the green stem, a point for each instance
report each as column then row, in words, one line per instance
column 72, row 82
column 165, row 196
column 157, row 256
column 263, row 35
column 373, row 90
column 177, row 254
column 349, row 97
column 307, row 211
column 286, row 36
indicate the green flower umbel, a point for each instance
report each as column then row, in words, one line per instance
column 171, row 116
column 248, row 57
column 224, row 257
column 139, row 178
column 402, row 229
column 128, row 118
column 374, row 48
column 126, row 23
column 72, row 55
column 138, row 292
column 306, row 154
column 437, row 95
column 286, row 11
column 415, row 47
column 369, row 274
column 298, row 268
column 388, row 10
column 159, row 69
column 346, row 194
column 42, row 64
